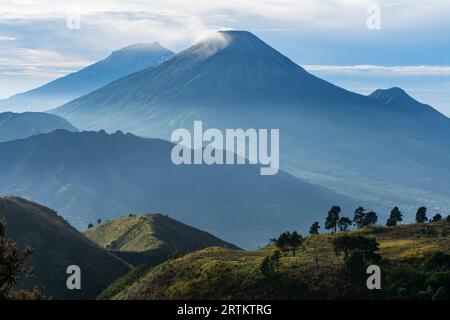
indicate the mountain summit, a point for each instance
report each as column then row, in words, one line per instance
column 229, row 71
column 151, row 238
column 143, row 47
column 131, row 59
column 398, row 97
column 119, row 64
column 328, row 135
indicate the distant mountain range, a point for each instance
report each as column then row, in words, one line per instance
column 92, row 175
column 57, row 245
column 151, row 238
column 119, row 64
column 15, row 126
column 386, row 147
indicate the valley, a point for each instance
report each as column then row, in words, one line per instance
column 365, row 147
column 152, row 256
column 176, row 176
column 88, row 176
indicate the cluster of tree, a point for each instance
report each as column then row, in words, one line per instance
column 12, row 267
column 348, row 244
column 334, row 221
column 361, row 219
column 359, row 251
column 430, row 280
column 364, row 219
column 288, row 241
column 421, row 216
column 395, row 217
column 270, row 265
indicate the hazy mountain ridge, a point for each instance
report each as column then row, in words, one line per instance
column 362, row 146
column 91, row 175
column 15, row 126
column 230, row 69
column 119, row 64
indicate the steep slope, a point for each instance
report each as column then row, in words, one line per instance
column 315, row 273
column 91, row 175
column 56, row 245
column 230, row 70
column 399, row 100
column 15, row 126
column 357, row 145
column 396, row 97
column 150, row 239
column 119, row 64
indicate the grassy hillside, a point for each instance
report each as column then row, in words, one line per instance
column 57, row 245
column 316, row 272
column 152, row 238
column 123, row 282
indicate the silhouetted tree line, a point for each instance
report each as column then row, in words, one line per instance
column 428, row 280
column 335, row 222
column 362, row 219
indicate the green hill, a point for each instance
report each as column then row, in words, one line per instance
column 151, row 238
column 411, row 268
column 57, row 245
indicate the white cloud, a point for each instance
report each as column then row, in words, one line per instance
column 6, row 38
column 401, row 70
column 178, row 24
column 306, row 14
column 37, row 63
column 211, row 44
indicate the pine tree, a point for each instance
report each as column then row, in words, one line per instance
column 344, row 223
column 332, row 219
column 370, row 218
column 314, row 230
column 359, row 216
column 296, row 241
column 437, row 218
column 396, row 216
column 421, row 215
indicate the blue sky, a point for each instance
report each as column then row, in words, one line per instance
column 330, row 38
